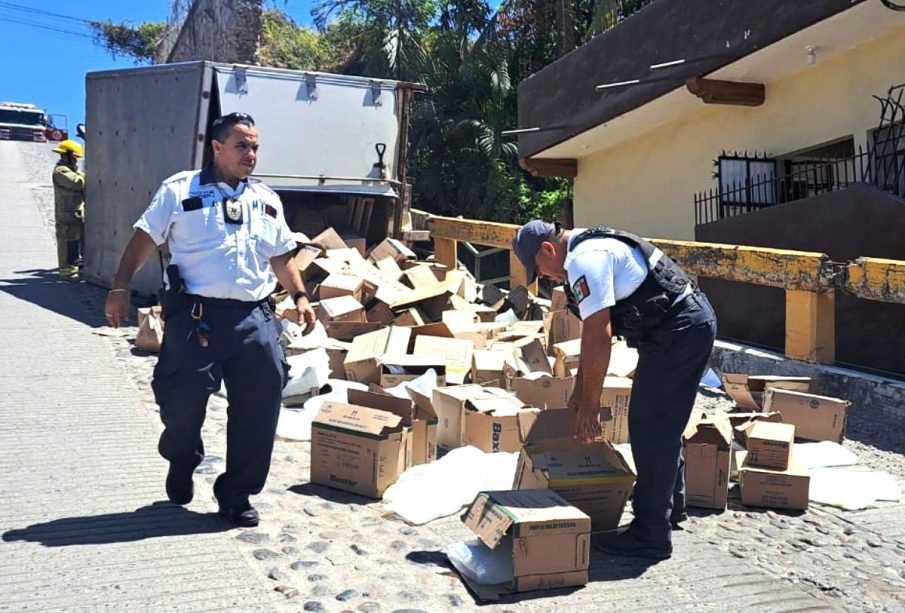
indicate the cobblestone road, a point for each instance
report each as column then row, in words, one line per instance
column 329, row 551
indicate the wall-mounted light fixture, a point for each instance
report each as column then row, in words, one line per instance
column 810, row 54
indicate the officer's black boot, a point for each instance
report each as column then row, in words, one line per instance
column 180, row 487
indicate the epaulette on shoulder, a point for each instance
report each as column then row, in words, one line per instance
column 181, row 176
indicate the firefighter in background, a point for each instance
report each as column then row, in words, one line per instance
column 69, row 207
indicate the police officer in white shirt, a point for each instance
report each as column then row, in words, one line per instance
column 228, row 239
column 621, row 285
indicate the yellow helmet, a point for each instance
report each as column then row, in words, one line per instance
column 70, row 146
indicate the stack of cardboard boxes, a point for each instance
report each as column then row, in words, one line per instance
column 501, row 359
column 755, row 444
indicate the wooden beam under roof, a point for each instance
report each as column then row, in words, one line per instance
column 713, row 91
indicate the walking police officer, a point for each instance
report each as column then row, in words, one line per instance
column 621, row 285
column 228, row 238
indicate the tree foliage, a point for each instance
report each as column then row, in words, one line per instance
column 469, row 55
column 138, row 42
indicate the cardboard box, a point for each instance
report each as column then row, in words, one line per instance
column 567, row 356
column 497, row 424
column 748, row 391
column 488, row 365
column 358, row 449
column 456, row 352
column 392, row 248
column 742, row 423
column 337, row 285
column 355, row 241
column 559, row 300
column 389, row 267
column 770, row 444
column 459, row 318
column 368, row 350
column 559, row 327
column 421, row 276
column 329, row 239
column 623, row 360
column 409, row 317
column 549, row 539
column 774, row 489
column 306, row 255
column 449, row 404
column 708, row 459
column 614, row 402
column 492, row 296
column 415, row 413
column 544, row 392
column 344, row 308
column 348, row 331
column 530, row 356
column 396, row 369
column 594, row 477
column 380, row 313
column 816, row 418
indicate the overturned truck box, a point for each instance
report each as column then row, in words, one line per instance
column 332, row 146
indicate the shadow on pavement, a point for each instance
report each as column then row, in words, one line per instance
column 80, row 301
column 151, row 521
column 328, row 493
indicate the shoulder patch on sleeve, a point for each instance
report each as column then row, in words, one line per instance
column 580, row 289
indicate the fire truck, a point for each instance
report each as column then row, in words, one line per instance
column 20, row 121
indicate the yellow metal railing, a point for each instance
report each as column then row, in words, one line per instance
column 809, row 279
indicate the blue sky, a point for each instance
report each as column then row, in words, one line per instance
column 47, row 67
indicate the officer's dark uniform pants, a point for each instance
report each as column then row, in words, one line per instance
column 672, row 359
column 243, row 351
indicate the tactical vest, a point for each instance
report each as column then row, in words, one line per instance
column 648, row 305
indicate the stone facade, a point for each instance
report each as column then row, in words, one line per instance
column 220, row 31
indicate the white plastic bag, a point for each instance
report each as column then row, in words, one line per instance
column 308, row 372
column 480, row 563
column 424, row 385
column 852, row 489
column 295, row 424
column 823, row 454
column 429, row 491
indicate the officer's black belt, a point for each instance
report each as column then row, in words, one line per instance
column 225, row 302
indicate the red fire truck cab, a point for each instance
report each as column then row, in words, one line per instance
column 20, row 121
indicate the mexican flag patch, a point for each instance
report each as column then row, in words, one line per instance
column 580, row 289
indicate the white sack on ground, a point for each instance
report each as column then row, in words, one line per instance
column 480, row 563
column 852, row 489
column 426, row 492
column 424, row 385
column 824, row 454
column 295, row 424
column 308, row 372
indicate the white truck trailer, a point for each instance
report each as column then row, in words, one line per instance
column 335, row 147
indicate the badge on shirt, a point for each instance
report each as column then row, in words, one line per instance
column 232, row 211
column 580, row 289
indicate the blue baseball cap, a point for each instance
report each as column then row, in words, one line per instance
column 527, row 242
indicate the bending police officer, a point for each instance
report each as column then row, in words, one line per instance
column 228, row 239
column 620, row 284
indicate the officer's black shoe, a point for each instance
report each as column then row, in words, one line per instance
column 244, row 515
column 625, row 543
column 677, row 520
column 180, row 487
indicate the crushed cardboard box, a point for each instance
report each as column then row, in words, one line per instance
column 707, row 444
column 614, row 402
column 748, row 391
column 593, row 477
column 549, row 539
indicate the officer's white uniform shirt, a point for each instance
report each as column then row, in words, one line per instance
column 215, row 258
column 602, row 271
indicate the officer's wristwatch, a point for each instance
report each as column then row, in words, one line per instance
column 296, row 296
